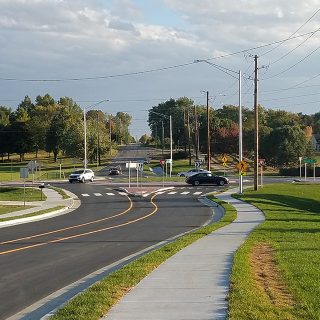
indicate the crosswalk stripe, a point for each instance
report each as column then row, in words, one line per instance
column 172, row 192
column 98, row 194
column 145, row 194
column 110, row 194
column 185, row 192
column 122, row 193
column 198, row 192
column 85, row 195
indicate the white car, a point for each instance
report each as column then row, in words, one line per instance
column 191, row 172
column 82, row 175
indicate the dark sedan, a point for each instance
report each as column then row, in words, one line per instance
column 207, row 178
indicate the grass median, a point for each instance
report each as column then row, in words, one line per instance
column 98, row 299
column 21, row 194
column 276, row 272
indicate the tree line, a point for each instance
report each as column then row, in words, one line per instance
column 283, row 136
column 58, row 128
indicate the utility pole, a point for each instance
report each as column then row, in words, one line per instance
column 188, row 124
column 208, row 134
column 256, row 125
column 196, row 134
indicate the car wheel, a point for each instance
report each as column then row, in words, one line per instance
column 91, row 179
column 182, row 175
column 82, row 180
column 196, row 183
column 221, row 183
column 70, row 181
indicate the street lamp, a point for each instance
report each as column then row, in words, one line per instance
column 170, row 126
column 85, row 129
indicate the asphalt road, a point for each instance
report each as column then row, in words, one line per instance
column 41, row 257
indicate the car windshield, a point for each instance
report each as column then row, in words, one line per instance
column 78, row 172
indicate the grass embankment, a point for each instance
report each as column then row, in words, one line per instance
column 276, row 272
column 17, row 194
column 98, row 299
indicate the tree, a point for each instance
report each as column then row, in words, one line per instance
column 20, row 137
column 284, row 145
column 4, row 126
column 145, row 139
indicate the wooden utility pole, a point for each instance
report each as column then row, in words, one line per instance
column 189, row 145
column 208, row 134
column 196, row 133
column 256, row 125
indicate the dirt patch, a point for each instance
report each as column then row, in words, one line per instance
column 267, row 276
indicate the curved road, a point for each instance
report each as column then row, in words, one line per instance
column 41, row 257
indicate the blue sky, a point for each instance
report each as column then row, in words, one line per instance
column 61, row 39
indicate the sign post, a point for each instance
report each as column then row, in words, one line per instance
column 24, row 173
column 261, row 163
column 310, row 161
column 300, row 159
column 162, row 163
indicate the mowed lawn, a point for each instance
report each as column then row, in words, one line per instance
column 276, row 273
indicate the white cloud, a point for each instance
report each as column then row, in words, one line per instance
column 78, row 38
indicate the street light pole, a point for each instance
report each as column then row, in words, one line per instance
column 170, row 144
column 85, row 130
column 240, row 134
column 85, row 137
column 208, row 133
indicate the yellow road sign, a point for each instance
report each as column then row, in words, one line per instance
column 242, row 166
column 224, row 158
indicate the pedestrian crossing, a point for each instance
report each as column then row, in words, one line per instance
column 181, row 191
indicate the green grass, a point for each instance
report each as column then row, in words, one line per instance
column 7, row 208
column 32, row 214
column 17, row 194
column 98, row 299
column 292, row 228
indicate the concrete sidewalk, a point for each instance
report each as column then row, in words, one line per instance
column 53, row 199
column 194, row 283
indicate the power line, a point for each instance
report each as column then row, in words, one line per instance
column 291, row 34
column 294, row 65
column 151, row 70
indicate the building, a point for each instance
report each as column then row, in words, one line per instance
column 315, row 142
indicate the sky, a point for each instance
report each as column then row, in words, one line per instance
column 139, row 53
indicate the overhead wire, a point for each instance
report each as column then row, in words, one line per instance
column 149, row 70
column 292, row 33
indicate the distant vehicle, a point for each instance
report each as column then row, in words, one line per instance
column 82, row 175
column 191, row 172
column 206, row 178
column 114, row 171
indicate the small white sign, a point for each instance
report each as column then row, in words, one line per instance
column 131, row 165
column 24, row 173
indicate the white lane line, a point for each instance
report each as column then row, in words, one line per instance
column 110, row 194
column 145, row 194
column 185, row 192
column 172, row 192
column 122, row 193
column 198, row 192
column 98, row 194
column 85, row 195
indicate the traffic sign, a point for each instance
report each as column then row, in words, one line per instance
column 224, row 158
column 262, row 162
column 24, row 173
column 162, row 162
column 242, row 166
column 309, row 160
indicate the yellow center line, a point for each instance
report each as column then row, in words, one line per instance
column 86, row 233
column 72, row 227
